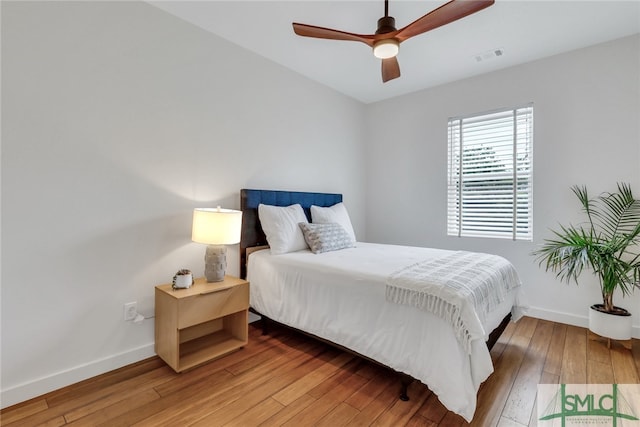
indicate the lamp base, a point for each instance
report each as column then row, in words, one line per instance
column 215, row 263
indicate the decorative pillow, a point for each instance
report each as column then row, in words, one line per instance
column 326, row 237
column 336, row 213
column 280, row 225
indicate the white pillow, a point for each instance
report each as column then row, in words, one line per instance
column 336, row 213
column 280, row 225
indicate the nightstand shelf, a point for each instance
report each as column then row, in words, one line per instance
column 201, row 323
column 203, row 349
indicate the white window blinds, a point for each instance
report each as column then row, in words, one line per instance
column 490, row 175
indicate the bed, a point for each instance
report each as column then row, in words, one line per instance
column 361, row 297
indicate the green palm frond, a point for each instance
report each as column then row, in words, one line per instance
column 618, row 213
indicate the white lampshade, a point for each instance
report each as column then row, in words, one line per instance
column 386, row 48
column 216, row 226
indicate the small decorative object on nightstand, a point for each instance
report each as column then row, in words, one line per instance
column 183, row 279
column 201, row 323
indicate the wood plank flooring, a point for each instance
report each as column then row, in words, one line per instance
column 288, row 379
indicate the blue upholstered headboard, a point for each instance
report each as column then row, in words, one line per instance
column 252, row 234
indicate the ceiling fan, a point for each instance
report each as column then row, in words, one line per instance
column 386, row 40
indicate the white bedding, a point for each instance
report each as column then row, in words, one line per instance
column 340, row 296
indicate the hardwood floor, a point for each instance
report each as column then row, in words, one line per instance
column 288, row 379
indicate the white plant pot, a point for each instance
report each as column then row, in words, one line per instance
column 614, row 326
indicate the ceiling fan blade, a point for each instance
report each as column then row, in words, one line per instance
column 443, row 15
column 390, row 69
column 327, row 33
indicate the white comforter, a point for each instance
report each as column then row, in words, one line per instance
column 340, row 296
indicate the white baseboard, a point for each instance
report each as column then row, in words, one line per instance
column 253, row 317
column 569, row 319
column 40, row 386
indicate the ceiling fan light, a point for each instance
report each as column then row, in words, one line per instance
column 386, row 48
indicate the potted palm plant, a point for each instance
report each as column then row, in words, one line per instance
column 605, row 244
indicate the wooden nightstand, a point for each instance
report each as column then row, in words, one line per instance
column 202, row 322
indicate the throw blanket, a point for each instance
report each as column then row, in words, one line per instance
column 461, row 288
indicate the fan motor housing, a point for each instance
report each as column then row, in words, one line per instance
column 386, row 24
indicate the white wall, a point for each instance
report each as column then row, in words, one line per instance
column 119, row 119
column 587, row 132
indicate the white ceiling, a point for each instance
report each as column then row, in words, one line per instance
column 524, row 30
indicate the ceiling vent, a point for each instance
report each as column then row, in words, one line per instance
column 490, row 54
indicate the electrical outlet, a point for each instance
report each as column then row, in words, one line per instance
column 130, row 310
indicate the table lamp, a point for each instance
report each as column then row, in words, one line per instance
column 216, row 228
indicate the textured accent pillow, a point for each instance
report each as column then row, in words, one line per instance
column 280, row 226
column 336, row 213
column 326, row 237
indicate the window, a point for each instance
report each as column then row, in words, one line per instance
column 490, row 175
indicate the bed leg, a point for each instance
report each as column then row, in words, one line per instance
column 265, row 329
column 405, row 380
